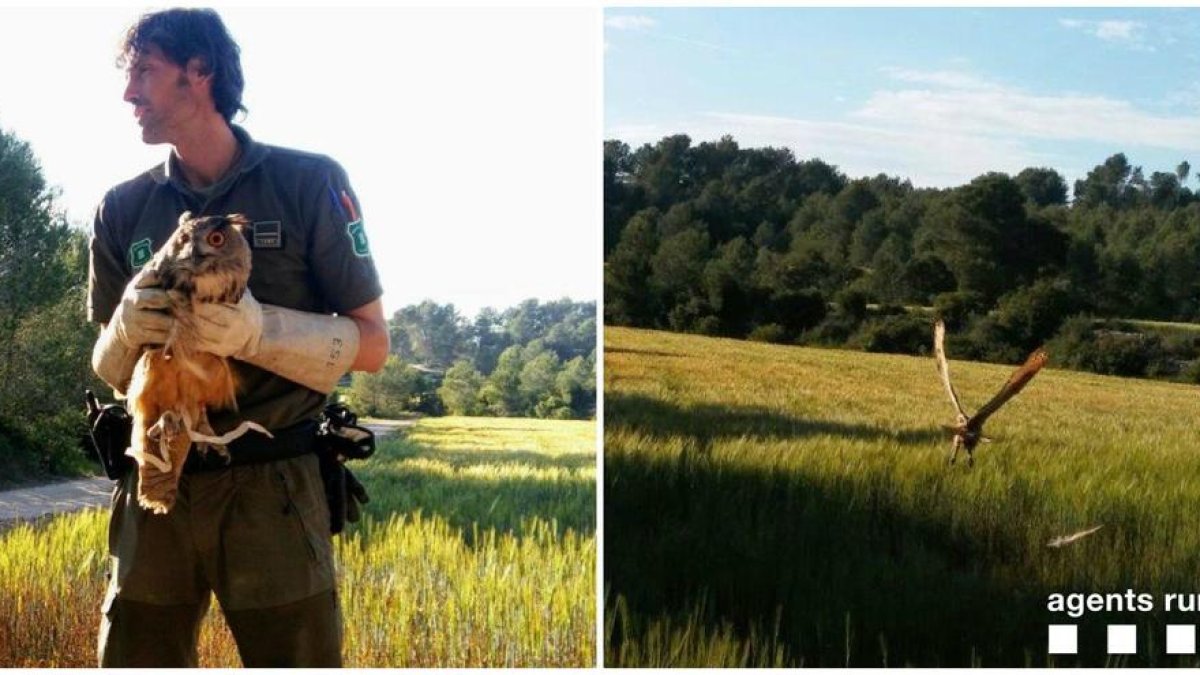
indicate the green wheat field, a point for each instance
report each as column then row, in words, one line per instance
column 478, row 549
column 783, row 506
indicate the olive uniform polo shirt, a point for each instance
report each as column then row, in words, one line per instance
column 309, row 252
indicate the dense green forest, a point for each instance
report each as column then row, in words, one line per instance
column 752, row 243
column 532, row 360
column 535, row 359
column 45, row 339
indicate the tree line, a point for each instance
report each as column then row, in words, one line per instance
column 532, row 360
column 752, row 243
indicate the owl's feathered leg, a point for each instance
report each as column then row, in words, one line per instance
column 159, row 474
column 955, row 444
column 159, row 441
column 181, row 309
column 203, row 429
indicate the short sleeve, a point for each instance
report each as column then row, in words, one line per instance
column 342, row 261
column 107, row 273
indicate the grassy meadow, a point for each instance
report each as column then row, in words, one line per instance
column 477, row 549
column 784, row 506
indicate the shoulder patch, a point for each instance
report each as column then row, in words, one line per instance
column 358, row 238
column 140, row 253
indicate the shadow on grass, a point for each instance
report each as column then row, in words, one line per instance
column 706, row 423
column 485, row 489
column 833, row 568
column 643, row 352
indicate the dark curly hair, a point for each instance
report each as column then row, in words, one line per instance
column 184, row 34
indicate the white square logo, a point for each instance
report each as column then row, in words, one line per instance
column 1122, row 639
column 1181, row 639
column 1064, row 639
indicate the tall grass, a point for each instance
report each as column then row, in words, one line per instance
column 769, row 504
column 477, row 549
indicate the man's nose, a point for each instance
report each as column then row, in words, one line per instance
column 130, row 90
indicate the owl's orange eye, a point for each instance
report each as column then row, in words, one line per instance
column 215, row 239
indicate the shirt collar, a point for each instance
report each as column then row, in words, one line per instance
column 253, row 153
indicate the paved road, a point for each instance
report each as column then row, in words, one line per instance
column 39, row 501
column 35, row 502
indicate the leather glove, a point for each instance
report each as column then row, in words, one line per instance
column 308, row 348
column 140, row 319
column 229, row 329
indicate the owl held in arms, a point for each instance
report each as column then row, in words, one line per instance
column 206, row 259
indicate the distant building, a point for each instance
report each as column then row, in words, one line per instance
column 434, row 375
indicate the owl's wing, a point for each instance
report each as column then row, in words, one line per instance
column 147, row 278
column 1016, row 382
column 939, row 352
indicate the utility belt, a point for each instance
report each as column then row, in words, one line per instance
column 295, row 441
column 335, row 439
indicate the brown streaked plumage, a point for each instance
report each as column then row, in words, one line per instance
column 206, row 259
column 968, row 429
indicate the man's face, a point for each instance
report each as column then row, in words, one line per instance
column 166, row 98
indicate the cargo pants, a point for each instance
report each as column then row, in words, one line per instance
column 256, row 536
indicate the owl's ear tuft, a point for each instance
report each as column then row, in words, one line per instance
column 185, row 217
column 238, row 222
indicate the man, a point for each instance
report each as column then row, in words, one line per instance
column 255, row 534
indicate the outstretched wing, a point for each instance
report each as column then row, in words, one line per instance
column 939, row 351
column 1020, row 377
column 1059, row 542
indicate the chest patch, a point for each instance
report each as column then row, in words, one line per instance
column 140, row 253
column 267, row 234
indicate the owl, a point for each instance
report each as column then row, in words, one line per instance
column 206, row 259
column 967, row 431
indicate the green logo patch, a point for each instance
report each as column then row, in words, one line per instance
column 358, row 237
column 140, row 253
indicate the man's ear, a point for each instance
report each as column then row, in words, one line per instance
column 198, row 72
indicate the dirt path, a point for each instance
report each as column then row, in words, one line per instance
column 39, row 501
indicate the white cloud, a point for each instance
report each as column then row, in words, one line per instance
column 1118, row 30
column 927, row 158
column 1185, row 97
column 947, row 134
column 977, row 107
column 632, row 22
column 941, row 78
column 1129, row 33
column 698, row 43
column 629, row 22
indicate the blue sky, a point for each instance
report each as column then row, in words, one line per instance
column 937, row 95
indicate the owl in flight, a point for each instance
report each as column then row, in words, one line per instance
column 968, row 430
